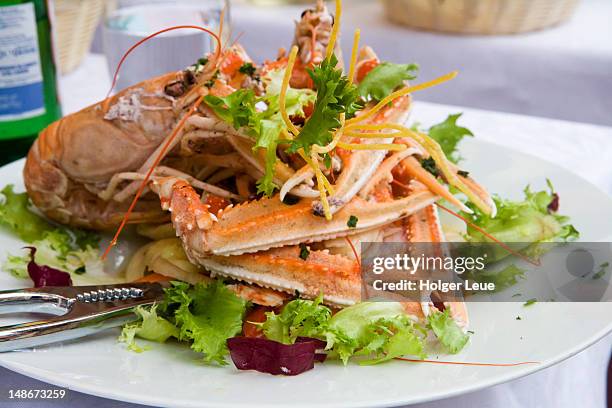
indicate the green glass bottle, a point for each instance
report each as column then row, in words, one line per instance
column 28, row 87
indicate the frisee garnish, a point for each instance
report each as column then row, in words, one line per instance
column 239, row 110
column 515, row 220
column 204, row 315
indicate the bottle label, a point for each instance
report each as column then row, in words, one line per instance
column 21, row 80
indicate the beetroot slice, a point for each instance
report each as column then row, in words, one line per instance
column 43, row 275
column 268, row 356
column 553, row 207
column 319, row 357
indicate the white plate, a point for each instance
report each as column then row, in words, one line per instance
column 171, row 375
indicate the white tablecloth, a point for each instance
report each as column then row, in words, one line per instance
column 587, row 149
column 564, row 72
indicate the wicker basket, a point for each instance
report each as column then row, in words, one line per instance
column 480, row 16
column 75, row 25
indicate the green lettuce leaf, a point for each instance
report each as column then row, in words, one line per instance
column 71, row 250
column 270, row 123
column 384, row 79
column 17, row 266
column 448, row 134
column 236, row 109
column 299, row 318
column 150, row 327
column 295, row 99
column 527, row 221
column 15, row 214
column 240, row 110
column 206, row 316
column 369, row 329
column 377, row 331
column 63, row 250
column 391, row 338
column 269, row 135
column 447, row 331
column 335, row 95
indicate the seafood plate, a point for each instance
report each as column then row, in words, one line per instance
column 258, row 185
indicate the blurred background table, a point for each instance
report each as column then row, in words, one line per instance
column 564, row 72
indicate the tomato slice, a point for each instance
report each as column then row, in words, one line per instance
column 366, row 67
column 231, row 64
column 256, row 315
column 153, row 278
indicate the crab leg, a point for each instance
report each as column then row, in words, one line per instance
column 411, row 166
column 383, row 172
column 269, row 223
column 424, row 227
column 335, row 276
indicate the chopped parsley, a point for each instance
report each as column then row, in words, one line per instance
column 304, row 252
column 603, row 268
column 429, row 164
column 80, row 270
column 248, row 69
column 518, row 318
column 352, row 222
column 530, row 302
column 200, row 63
column 464, row 174
column 211, row 82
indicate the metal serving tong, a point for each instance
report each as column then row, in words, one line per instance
column 80, row 311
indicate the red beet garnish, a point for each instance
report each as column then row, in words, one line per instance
column 553, row 207
column 320, row 357
column 43, row 275
column 268, row 356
